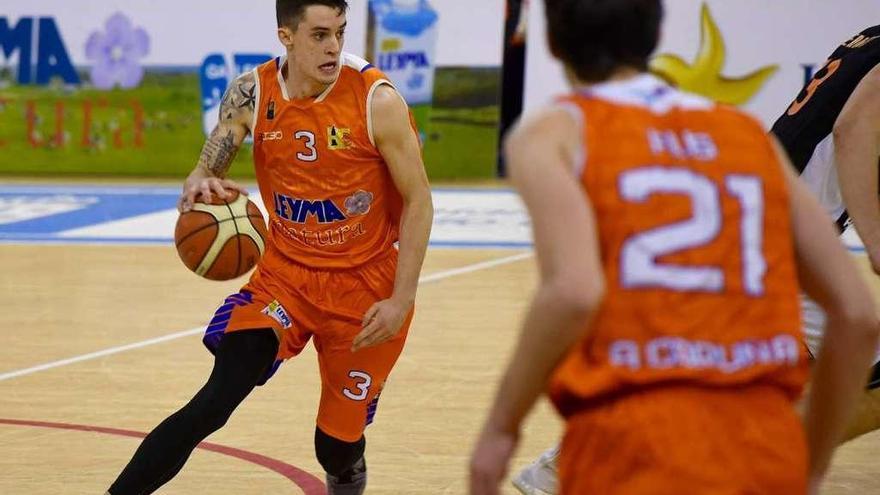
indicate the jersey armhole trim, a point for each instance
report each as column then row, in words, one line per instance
column 279, row 76
column 256, row 102
column 372, row 90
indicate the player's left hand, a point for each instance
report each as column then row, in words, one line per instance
column 489, row 461
column 381, row 323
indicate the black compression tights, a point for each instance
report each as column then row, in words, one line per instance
column 241, row 360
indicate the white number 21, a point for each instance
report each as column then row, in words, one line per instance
column 639, row 266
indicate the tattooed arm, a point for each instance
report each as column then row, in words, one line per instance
column 236, row 116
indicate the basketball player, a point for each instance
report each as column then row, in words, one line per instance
column 831, row 132
column 338, row 164
column 672, row 238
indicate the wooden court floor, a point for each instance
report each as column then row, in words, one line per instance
column 70, row 426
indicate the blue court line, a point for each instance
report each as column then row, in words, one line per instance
column 152, row 241
column 106, row 208
column 162, row 190
column 474, row 190
column 50, row 238
column 134, row 241
column 97, row 190
column 118, row 202
column 477, row 244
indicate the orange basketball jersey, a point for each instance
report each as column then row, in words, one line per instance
column 693, row 220
column 331, row 200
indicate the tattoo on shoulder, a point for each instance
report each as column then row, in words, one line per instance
column 218, row 152
column 247, row 95
column 240, row 99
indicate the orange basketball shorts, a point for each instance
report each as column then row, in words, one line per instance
column 326, row 306
column 671, row 441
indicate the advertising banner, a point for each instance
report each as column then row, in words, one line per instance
column 751, row 53
column 129, row 88
column 404, row 38
column 111, row 87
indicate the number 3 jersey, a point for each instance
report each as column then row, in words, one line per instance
column 331, row 200
column 805, row 129
column 694, row 229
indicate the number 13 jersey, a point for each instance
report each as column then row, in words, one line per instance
column 331, row 200
column 693, row 222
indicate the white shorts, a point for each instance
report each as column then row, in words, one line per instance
column 813, row 319
column 812, row 315
column 814, row 326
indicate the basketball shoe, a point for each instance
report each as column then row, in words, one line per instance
column 539, row 477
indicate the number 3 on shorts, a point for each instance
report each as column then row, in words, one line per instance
column 363, row 385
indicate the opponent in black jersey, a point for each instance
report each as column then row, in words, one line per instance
column 831, row 131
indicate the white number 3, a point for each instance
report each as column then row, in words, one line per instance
column 363, row 385
column 310, row 145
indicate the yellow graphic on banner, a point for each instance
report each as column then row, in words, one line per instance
column 391, row 44
column 704, row 76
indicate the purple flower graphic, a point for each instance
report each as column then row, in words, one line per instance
column 358, row 203
column 116, row 52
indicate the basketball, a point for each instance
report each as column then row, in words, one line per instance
column 221, row 240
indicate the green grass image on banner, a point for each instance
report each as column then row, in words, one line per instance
column 155, row 130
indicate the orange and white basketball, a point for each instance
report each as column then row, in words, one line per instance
column 221, row 240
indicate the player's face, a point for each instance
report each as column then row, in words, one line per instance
column 317, row 43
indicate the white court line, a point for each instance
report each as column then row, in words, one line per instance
column 434, row 277
column 97, row 354
column 473, row 268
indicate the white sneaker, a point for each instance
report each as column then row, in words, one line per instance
column 541, row 476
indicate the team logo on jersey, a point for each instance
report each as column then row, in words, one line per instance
column 270, row 110
column 359, row 203
column 859, row 41
column 272, row 136
column 338, row 138
column 299, row 210
column 277, row 312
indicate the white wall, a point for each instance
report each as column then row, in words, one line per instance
column 178, row 36
column 470, row 32
column 757, row 33
column 182, row 32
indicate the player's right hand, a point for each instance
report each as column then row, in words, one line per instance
column 206, row 188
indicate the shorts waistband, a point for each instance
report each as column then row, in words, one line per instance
column 381, row 257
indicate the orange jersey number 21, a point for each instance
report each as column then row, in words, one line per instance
column 639, row 268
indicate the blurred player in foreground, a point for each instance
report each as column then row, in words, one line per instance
column 672, row 238
column 831, row 132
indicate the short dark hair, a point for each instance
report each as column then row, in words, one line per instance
column 289, row 12
column 595, row 37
